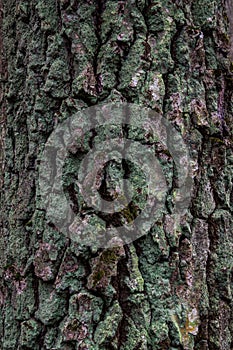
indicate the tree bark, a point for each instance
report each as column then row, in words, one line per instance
column 172, row 287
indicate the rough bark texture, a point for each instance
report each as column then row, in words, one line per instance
column 170, row 289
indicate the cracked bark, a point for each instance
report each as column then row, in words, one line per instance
column 170, row 289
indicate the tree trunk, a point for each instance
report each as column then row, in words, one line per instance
column 172, row 287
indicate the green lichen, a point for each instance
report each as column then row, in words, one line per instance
column 97, row 276
column 187, row 324
column 61, row 58
column 105, row 266
column 135, row 280
column 107, row 328
column 30, row 332
column 52, row 306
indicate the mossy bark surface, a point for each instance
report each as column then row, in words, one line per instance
column 171, row 288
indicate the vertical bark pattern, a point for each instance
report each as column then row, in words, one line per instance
column 170, row 289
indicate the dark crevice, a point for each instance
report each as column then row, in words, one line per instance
column 123, row 293
column 35, row 286
column 70, row 59
column 100, row 7
column 165, row 76
column 73, row 198
column 147, row 52
column 42, row 337
column 59, row 14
